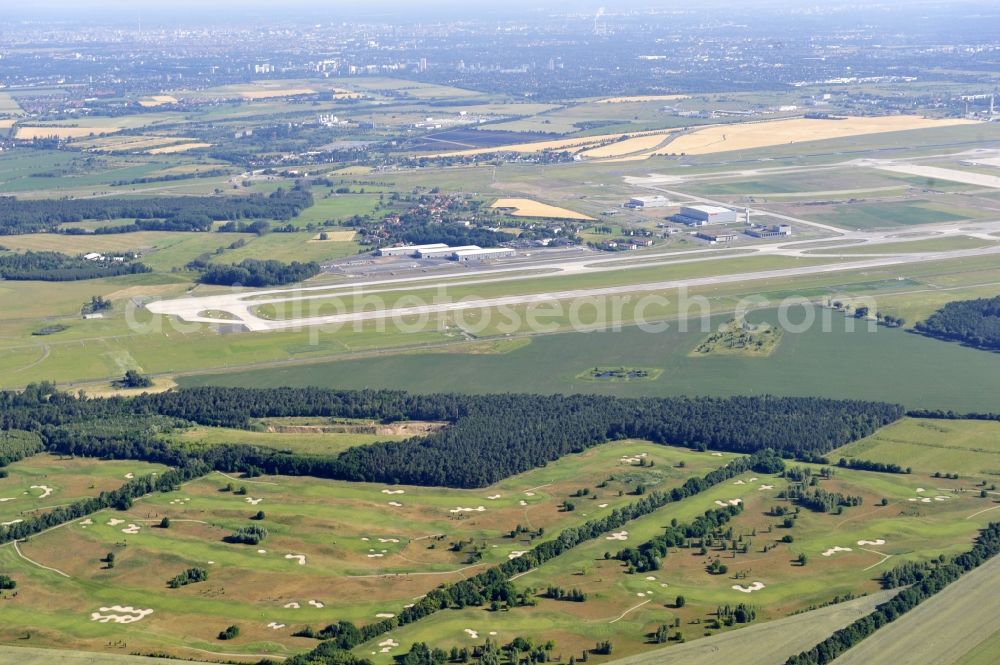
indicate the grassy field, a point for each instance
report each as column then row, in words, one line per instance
column 966, row 447
column 834, row 364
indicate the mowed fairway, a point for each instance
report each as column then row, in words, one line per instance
column 335, row 550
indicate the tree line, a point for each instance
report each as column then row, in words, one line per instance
column 258, row 273
column 972, row 322
column 59, row 267
column 937, row 577
column 189, row 213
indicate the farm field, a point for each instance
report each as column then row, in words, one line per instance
column 806, row 363
column 529, row 208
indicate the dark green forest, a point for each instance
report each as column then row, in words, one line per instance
column 972, row 322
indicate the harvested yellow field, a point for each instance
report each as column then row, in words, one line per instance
column 628, row 146
column 253, row 94
column 571, row 145
column 28, row 133
column 335, row 236
column 641, row 98
column 129, row 143
column 7, row 123
column 157, row 100
column 726, row 138
column 530, row 208
column 180, row 147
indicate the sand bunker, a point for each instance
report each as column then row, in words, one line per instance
column 739, row 482
column 641, row 594
column 388, row 540
column 731, row 502
column 387, row 645
column 941, row 498
column 756, row 586
column 834, row 550
column 393, row 491
column 650, row 579
column 621, row 535
column 132, row 529
column 46, row 490
column 494, row 497
column 920, row 489
column 114, row 522
column 471, row 633
column 766, row 487
column 523, row 502
column 602, row 505
column 252, row 501
column 127, row 614
column 871, row 542
column 384, row 615
column 529, row 494
column 87, row 522
column 716, row 454
column 6, row 499
column 315, row 603
column 261, row 551
column 275, row 626
column 477, row 509
column 375, row 556
column 395, row 504
column 301, row 558
column 130, row 475
column 292, row 606
column 517, row 554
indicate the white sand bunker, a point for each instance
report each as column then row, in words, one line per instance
column 834, row 550
column 471, row 633
column 395, row 504
column 6, row 499
column 523, row 502
column 941, row 497
column 132, row 529
column 388, row 540
column 375, row 556
column 871, row 542
column 301, row 558
column 920, row 489
column 752, row 479
column 716, row 454
column 388, row 645
column 384, row 615
column 529, row 494
column 87, row 522
column 393, row 491
column 477, row 509
column 292, row 606
column 641, row 594
column 621, row 535
column 261, row 551
column 11, row 523
column 664, row 585
column 408, row 606
column 650, row 578
column 114, row 522
column 211, row 563
column 315, row 603
column 275, row 626
column 756, row 586
column 731, row 502
column 516, row 554
column 926, row 499
column 130, row 475
column 252, row 501
column 127, row 614
column 602, row 505
column 739, row 482
column 494, row 497
column 46, row 490
column 766, row 487
column 364, row 539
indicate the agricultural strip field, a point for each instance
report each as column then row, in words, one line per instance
column 943, row 630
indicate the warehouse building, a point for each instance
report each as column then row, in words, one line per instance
column 713, row 238
column 442, row 251
column 478, row 254
column 648, row 202
column 702, row 215
column 408, row 250
column 776, row 231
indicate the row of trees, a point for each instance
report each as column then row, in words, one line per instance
column 188, row 213
column 868, row 465
column 59, row 267
column 649, row 555
column 937, row 578
column 258, row 273
column 17, row 444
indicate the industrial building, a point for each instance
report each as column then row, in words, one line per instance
column 724, row 236
column 702, row 215
column 479, row 254
column 442, row 251
column 776, row 231
column 648, row 202
column 408, row 250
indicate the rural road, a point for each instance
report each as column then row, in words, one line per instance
column 769, row 643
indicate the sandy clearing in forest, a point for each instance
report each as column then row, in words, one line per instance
column 748, row 136
column 530, row 208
